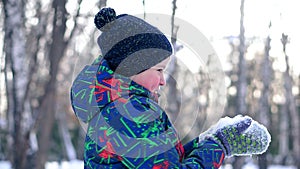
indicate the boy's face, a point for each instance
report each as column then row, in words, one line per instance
column 152, row 78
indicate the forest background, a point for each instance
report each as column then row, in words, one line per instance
column 46, row 43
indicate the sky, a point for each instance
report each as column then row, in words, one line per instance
column 218, row 18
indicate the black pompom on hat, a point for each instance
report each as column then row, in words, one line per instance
column 129, row 44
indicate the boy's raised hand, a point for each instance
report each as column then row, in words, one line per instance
column 240, row 135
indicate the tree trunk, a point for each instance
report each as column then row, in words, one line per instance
column 144, row 5
column 15, row 53
column 291, row 105
column 48, row 106
column 242, row 79
column 172, row 99
column 66, row 137
column 264, row 107
column 283, row 134
column 102, row 3
column 242, row 84
column 298, row 122
column 10, row 105
column 242, row 68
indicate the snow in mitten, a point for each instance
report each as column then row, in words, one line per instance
column 240, row 135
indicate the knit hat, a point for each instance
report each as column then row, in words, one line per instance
column 129, row 44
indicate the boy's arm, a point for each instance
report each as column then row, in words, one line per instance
column 153, row 143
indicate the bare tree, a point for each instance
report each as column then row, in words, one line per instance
column 144, row 5
column 291, row 104
column 242, row 67
column 48, row 103
column 264, row 108
column 101, row 3
column 172, row 99
column 16, row 77
column 65, row 135
column 241, row 107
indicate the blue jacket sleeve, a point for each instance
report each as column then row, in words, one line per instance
column 207, row 155
column 190, row 146
column 146, row 140
column 162, row 147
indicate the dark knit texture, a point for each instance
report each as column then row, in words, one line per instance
column 129, row 44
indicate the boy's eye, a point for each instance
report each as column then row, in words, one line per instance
column 160, row 70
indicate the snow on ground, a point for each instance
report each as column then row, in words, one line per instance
column 74, row 164
column 254, row 166
column 5, row 165
column 77, row 164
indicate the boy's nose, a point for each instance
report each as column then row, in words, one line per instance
column 162, row 81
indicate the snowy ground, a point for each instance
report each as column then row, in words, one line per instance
column 253, row 166
column 76, row 164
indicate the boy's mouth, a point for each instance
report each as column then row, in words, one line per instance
column 157, row 93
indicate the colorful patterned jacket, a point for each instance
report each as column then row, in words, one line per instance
column 128, row 129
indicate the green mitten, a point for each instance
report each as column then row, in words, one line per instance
column 240, row 135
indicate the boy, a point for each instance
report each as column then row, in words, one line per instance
column 117, row 96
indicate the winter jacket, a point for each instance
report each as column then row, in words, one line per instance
column 128, row 129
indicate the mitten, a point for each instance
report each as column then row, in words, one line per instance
column 240, row 135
